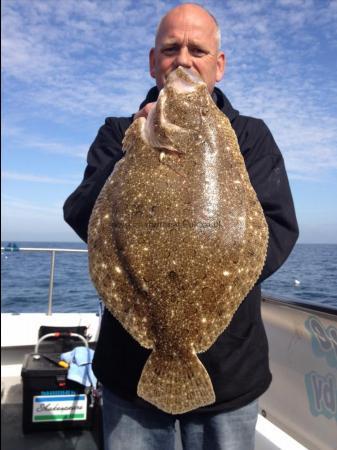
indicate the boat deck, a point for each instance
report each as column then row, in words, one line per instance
column 12, row 437
column 271, row 434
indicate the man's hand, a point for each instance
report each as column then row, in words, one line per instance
column 144, row 112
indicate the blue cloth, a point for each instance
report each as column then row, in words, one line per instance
column 80, row 368
column 129, row 426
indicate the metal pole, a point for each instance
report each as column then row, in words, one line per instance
column 51, row 283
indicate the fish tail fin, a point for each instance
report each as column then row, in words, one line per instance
column 175, row 384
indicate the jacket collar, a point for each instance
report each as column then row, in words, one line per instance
column 218, row 96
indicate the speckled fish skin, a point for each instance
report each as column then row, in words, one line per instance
column 177, row 239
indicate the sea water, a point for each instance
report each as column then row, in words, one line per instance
column 308, row 275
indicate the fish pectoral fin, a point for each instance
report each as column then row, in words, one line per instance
column 175, row 384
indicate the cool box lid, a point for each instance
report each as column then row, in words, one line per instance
column 41, row 367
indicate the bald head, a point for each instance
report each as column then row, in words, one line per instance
column 188, row 36
column 192, row 8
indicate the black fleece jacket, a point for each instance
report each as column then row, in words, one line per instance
column 237, row 362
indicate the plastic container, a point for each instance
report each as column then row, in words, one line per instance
column 50, row 400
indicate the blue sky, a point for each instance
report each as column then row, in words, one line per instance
column 68, row 64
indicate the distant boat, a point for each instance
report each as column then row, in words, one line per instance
column 11, row 247
column 297, row 282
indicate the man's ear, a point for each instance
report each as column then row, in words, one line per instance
column 152, row 63
column 221, row 63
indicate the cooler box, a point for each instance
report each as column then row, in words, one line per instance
column 50, row 400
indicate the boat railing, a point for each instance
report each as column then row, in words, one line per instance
column 265, row 296
column 52, row 252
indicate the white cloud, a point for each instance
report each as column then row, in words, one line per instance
column 65, row 61
column 79, row 64
column 21, row 139
column 17, row 208
column 274, row 72
column 40, row 222
column 34, row 178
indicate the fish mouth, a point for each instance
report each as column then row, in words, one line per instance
column 184, row 80
column 181, row 81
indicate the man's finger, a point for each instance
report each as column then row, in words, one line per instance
column 144, row 112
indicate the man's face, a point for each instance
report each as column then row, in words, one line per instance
column 187, row 37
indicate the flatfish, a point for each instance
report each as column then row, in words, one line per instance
column 177, row 239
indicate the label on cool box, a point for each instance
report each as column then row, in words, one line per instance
column 57, row 408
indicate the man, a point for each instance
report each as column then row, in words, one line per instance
column 237, row 363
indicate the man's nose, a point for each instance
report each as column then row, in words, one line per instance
column 184, row 58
